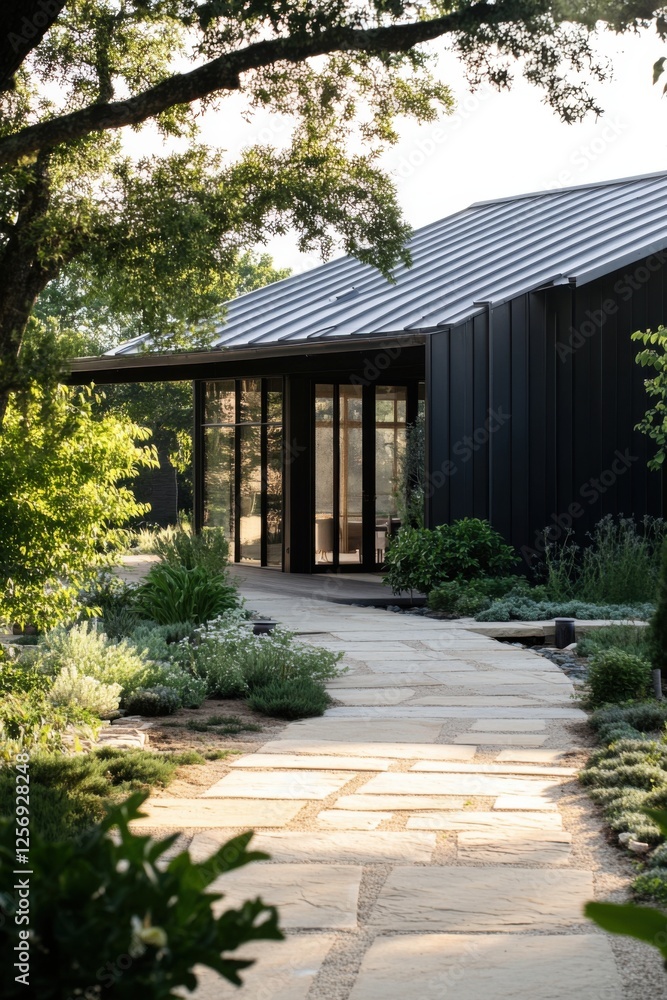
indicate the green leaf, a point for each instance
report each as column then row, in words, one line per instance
column 658, row 69
column 641, row 922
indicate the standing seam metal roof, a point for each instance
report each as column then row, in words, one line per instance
column 490, row 252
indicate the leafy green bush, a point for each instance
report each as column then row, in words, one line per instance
column 652, row 885
column 295, row 698
column 71, row 687
column 620, row 565
column 209, row 550
column 520, row 608
column 172, row 593
column 615, row 677
column 629, row 638
column 420, row 559
column 106, row 595
column 158, row 700
column 61, row 500
column 146, row 924
column 32, row 721
column 20, row 676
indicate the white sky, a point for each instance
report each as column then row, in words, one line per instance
column 494, row 144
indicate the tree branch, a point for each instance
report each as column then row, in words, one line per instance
column 24, row 24
column 223, row 74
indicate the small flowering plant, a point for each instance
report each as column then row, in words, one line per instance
column 112, row 918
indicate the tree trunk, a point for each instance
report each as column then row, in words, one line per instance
column 22, row 278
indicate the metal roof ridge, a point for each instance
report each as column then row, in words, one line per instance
column 573, row 187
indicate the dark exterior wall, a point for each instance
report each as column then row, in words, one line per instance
column 532, row 402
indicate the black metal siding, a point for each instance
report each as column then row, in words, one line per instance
column 524, row 422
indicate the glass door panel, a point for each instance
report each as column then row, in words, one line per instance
column 219, row 481
column 390, row 440
column 274, row 495
column 324, row 476
column 250, row 494
column 350, row 490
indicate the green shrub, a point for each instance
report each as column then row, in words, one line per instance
column 107, row 594
column 419, row 559
column 71, row 687
column 90, row 652
column 71, row 792
column 158, row 700
column 146, row 922
column 223, row 725
column 652, row 886
column 172, row 593
column 615, row 677
column 648, row 716
column 629, row 638
column 233, row 660
column 208, row 550
column 28, row 722
column 296, row 698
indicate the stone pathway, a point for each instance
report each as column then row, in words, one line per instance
column 416, row 831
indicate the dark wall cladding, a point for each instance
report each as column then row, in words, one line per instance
column 533, row 406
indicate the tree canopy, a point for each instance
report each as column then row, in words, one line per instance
column 165, row 232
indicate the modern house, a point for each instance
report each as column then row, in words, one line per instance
column 510, row 332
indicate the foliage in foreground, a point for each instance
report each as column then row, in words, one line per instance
column 299, row 698
column 629, row 638
column 106, row 915
column 62, row 504
column 641, row 922
column 420, row 559
column 69, row 793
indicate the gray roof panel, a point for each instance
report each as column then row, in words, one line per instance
column 492, row 251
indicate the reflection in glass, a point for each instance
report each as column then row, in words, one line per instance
column 390, row 440
column 274, row 400
column 251, row 400
column 350, row 474
column 324, row 473
column 220, row 402
column 219, row 480
column 274, row 496
column 250, row 494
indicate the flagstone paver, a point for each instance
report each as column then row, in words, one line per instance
column 309, row 896
column 425, row 800
column 515, row 847
column 484, row 822
column 274, row 785
column 395, row 803
column 283, row 970
column 493, row 967
column 412, row 783
column 284, row 760
column 500, row 739
column 481, row 899
column 340, row 819
column 230, row 813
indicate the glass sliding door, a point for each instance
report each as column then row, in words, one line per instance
column 326, row 546
column 243, row 466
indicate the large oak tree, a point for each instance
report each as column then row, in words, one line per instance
column 165, row 232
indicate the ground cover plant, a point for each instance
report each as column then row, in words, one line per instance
column 115, row 918
column 70, row 793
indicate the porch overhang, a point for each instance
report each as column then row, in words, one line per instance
column 279, row 359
